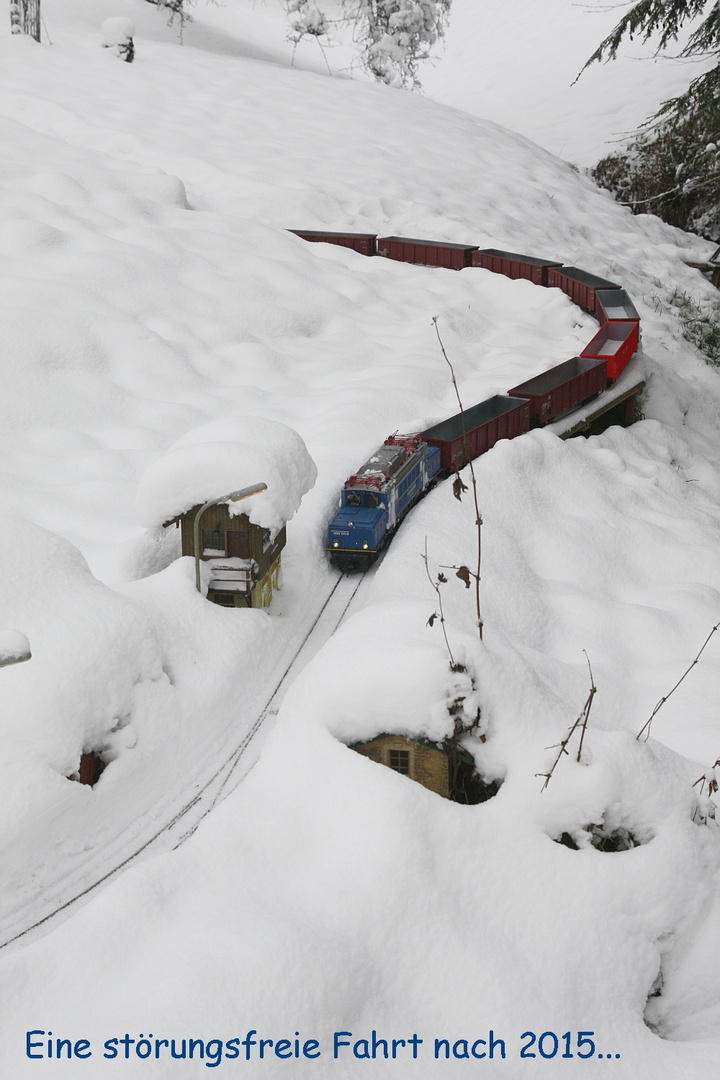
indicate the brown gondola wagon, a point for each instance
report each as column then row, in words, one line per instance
column 579, row 285
column 561, row 389
column 465, row 436
column 426, row 252
column 363, row 243
column 513, row 265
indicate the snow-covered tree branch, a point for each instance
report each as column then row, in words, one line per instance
column 671, row 167
column 394, row 36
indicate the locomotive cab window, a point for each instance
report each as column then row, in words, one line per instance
column 371, row 499
column 213, row 540
column 353, row 498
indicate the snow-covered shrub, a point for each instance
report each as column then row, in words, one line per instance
column 393, row 36
column 177, row 12
column 117, row 34
column 672, row 170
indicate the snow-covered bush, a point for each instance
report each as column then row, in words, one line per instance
column 177, row 12
column 117, row 34
column 394, row 36
column 672, row 167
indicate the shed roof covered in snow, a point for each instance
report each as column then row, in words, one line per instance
column 223, row 456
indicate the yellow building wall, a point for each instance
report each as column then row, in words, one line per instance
column 427, row 765
column 262, row 592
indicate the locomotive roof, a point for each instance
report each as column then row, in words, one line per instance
column 384, row 463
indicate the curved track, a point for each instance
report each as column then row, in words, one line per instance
column 228, row 769
column 176, row 817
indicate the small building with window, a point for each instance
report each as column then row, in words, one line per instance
column 448, row 771
column 244, row 558
column 421, row 761
column 240, row 541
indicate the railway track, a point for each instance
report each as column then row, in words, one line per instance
column 236, row 761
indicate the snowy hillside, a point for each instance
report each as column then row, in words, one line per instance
column 516, row 65
column 153, row 301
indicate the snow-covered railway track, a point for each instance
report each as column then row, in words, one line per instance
column 220, row 776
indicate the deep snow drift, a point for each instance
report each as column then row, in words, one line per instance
column 151, row 294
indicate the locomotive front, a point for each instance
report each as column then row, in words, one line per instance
column 374, row 501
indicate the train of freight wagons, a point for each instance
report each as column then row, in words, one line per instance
column 374, row 501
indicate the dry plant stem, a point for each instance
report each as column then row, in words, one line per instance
column 581, row 722
column 436, row 587
column 478, row 517
column 588, row 706
column 712, row 789
column 703, row 778
column 646, row 726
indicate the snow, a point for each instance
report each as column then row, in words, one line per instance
column 224, row 456
column 167, row 340
column 117, row 31
column 522, row 71
column 14, row 647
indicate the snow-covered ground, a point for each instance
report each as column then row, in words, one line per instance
column 518, row 64
column 152, row 300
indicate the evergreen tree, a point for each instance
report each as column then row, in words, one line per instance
column 177, row 11
column 672, row 168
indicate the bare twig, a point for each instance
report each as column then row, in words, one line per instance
column 459, row 487
column 712, row 785
column 581, row 723
column 441, row 616
column 646, row 726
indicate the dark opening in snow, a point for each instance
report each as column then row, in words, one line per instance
column 601, row 838
column 89, row 770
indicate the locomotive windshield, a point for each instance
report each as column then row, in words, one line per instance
column 362, row 498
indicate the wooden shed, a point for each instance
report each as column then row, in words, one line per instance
column 244, row 557
column 449, row 772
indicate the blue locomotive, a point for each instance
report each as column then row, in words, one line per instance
column 377, row 498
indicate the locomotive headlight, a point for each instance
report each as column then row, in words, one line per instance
column 336, row 544
column 365, row 546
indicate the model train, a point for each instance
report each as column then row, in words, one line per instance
column 377, row 498
column 374, row 501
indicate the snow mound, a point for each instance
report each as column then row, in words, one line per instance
column 14, row 647
column 225, row 455
column 117, row 31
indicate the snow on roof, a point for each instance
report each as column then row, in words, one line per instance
column 225, row 455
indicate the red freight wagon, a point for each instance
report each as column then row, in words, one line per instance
column 512, row 265
column 562, row 388
column 615, row 342
column 614, row 305
column 426, row 252
column 364, row 243
column 579, row 285
column 499, row 417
